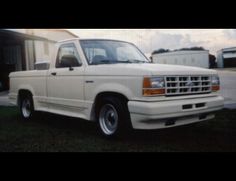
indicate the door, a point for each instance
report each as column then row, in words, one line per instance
column 230, row 62
column 65, row 82
column 11, row 60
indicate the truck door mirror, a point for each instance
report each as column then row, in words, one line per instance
column 69, row 61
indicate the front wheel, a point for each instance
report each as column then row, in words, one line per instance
column 113, row 117
column 108, row 119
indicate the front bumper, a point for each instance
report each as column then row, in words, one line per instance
column 170, row 113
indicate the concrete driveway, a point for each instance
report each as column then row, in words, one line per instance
column 228, row 87
column 4, row 101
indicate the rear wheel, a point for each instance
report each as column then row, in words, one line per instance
column 26, row 107
column 113, row 117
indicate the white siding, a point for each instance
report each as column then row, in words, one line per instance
column 41, row 53
column 185, row 58
column 29, row 54
column 219, row 58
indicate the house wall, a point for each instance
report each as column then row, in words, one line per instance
column 187, row 58
column 38, row 51
column 219, row 58
column 29, row 54
column 52, row 34
column 226, row 57
column 19, row 52
column 44, row 51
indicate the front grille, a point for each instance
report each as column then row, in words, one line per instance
column 184, row 85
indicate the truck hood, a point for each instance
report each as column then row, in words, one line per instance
column 145, row 69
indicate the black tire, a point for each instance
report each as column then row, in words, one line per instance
column 26, row 106
column 109, row 125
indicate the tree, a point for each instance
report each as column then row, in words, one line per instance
column 212, row 61
column 161, row 50
column 191, row 49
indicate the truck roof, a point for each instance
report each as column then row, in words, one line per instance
column 94, row 39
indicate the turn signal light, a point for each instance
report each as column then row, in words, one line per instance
column 151, row 92
column 215, row 88
column 147, row 82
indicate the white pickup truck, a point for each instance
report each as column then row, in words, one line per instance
column 112, row 83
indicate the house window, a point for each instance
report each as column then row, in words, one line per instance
column 46, row 48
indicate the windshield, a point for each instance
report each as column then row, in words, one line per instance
column 111, row 52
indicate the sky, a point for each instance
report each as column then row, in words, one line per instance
column 149, row 40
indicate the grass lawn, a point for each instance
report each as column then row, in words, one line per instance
column 53, row 133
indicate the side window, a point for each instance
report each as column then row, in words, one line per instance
column 68, row 56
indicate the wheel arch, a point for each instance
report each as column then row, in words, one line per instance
column 23, row 92
column 102, row 95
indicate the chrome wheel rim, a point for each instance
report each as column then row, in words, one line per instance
column 108, row 119
column 26, row 108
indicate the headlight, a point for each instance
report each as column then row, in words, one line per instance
column 153, row 86
column 215, row 82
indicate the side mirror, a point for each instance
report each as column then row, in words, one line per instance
column 69, row 61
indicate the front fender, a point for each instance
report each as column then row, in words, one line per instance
column 112, row 87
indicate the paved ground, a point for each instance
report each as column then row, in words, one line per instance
column 228, row 89
column 4, row 101
column 226, row 69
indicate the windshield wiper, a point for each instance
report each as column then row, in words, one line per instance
column 100, row 62
column 134, row 61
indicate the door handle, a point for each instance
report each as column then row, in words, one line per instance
column 71, row 69
column 54, row 73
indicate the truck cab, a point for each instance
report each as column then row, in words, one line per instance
column 112, row 83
